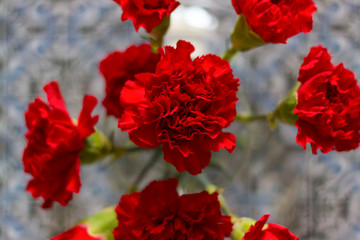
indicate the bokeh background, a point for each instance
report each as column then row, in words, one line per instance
column 316, row 197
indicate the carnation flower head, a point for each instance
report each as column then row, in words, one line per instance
column 183, row 106
column 277, row 20
column 146, row 13
column 158, row 212
column 271, row 231
column 78, row 232
column 119, row 67
column 96, row 227
column 328, row 104
column 54, row 143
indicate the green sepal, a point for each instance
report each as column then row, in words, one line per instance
column 96, row 147
column 284, row 111
column 158, row 33
column 240, row 227
column 102, row 223
column 243, row 38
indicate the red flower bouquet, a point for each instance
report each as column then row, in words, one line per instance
column 54, row 143
column 158, row 212
column 328, row 105
column 146, row 13
column 183, row 106
column 179, row 107
column 119, row 67
column 277, row 20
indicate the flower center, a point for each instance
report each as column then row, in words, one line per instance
column 331, row 93
column 154, row 4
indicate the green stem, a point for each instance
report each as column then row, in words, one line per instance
column 246, row 118
column 229, row 54
column 226, row 210
column 211, row 188
column 118, row 151
column 133, row 187
column 205, row 181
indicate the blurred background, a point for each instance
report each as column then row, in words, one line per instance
column 316, row 197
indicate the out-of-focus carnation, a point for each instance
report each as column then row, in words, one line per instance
column 158, row 212
column 54, row 143
column 328, row 104
column 183, row 106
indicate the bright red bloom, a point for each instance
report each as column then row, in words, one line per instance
column 158, row 212
column 54, row 143
column 183, row 106
column 277, row 20
column 146, row 13
column 328, row 104
column 271, row 231
column 119, row 67
column 79, row 232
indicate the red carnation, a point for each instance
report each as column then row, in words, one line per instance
column 54, row 143
column 328, row 104
column 158, row 212
column 119, row 67
column 277, row 20
column 271, row 231
column 146, row 13
column 183, row 106
column 79, row 232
